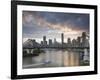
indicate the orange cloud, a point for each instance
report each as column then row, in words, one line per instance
column 62, row 28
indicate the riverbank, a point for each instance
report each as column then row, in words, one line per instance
column 35, row 52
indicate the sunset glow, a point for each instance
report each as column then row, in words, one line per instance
column 50, row 24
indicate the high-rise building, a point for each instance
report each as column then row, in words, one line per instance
column 44, row 41
column 74, row 43
column 78, row 41
column 44, row 38
column 55, row 41
column 62, row 38
column 84, row 39
column 68, row 42
column 50, row 42
column 41, row 42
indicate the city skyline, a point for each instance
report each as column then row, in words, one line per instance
column 58, row 40
column 81, row 41
column 51, row 24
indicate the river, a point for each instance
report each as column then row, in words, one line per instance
column 54, row 58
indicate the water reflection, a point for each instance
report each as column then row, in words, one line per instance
column 53, row 58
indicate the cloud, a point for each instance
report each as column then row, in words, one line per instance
column 50, row 23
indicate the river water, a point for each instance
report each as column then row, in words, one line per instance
column 53, row 58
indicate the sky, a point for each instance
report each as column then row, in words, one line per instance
column 37, row 24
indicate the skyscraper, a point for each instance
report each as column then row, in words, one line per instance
column 84, row 39
column 55, row 41
column 41, row 42
column 50, row 42
column 44, row 38
column 74, row 43
column 62, row 38
column 44, row 41
column 79, row 41
column 69, row 42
